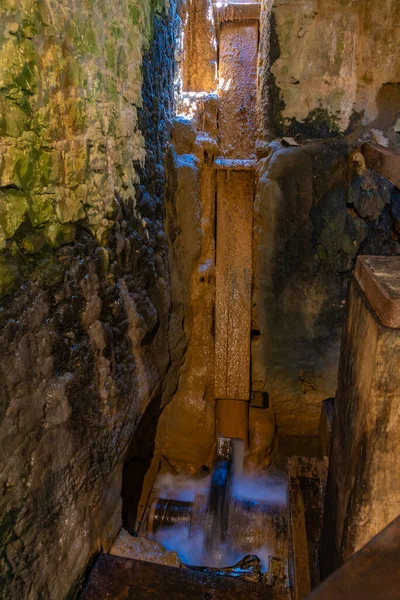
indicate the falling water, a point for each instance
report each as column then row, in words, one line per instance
column 218, row 519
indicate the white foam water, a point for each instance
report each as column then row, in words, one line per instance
column 258, row 487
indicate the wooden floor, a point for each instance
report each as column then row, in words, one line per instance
column 116, row 578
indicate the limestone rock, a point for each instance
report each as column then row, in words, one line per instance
column 143, row 549
column 183, row 135
column 316, row 89
column 73, row 388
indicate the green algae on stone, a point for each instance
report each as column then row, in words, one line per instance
column 74, row 74
column 83, row 35
column 13, row 207
column 49, row 166
column 33, row 242
column 319, row 123
column 57, row 234
column 68, row 206
column 13, row 119
column 17, row 166
column 41, row 207
column 9, row 275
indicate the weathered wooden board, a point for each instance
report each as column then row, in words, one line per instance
column 383, row 161
column 116, row 578
column 306, row 491
column 373, row 572
column 235, row 195
column 379, row 278
column 363, row 491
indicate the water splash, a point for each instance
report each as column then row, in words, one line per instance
column 251, row 526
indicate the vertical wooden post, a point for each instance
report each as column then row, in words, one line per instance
column 363, row 492
column 235, row 194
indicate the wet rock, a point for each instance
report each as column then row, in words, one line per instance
column 85, row 288
column 379, row 138
column 143, row 549
column 183, row 135
column 191, row 413
column 314, row 212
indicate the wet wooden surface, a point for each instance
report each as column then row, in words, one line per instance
column 116, row 578
column 306, row 488
column 373, row 573
column 232, row 418
column 383, row 161
column 235, row 195
column 379, row 279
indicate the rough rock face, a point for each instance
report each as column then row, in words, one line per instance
column 317, row 207
column 326, row 69
column 84, row 275
column 333, row 63
column 186, row 429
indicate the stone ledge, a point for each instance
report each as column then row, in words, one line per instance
column 235, row 164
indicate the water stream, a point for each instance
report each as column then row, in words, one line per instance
column 216, row 520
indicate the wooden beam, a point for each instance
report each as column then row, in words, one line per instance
column 383, row 161
column 235, row 195
column 363, row 494
column 379, row 279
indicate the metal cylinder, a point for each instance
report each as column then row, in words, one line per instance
column 167, row 513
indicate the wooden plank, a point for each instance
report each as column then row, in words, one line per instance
column 373, row 572
column 306, row 486
column 118, row 578
column 383, row 161
column 379, row 279
column 363, row 493
column 235, row 194
column 238, row 46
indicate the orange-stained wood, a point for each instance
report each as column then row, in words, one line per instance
column 233, row 419
column 235, row 194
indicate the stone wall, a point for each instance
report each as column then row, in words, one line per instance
column 84, row 277
column 329, row 75
column 333, row 64
column 317, row 208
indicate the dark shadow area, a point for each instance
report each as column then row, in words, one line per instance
column 138, row 459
